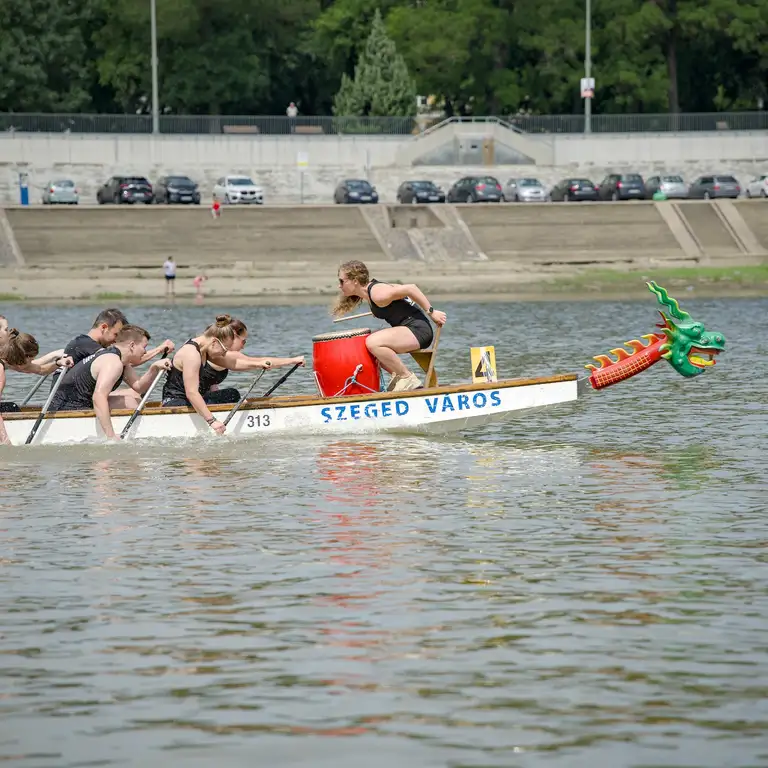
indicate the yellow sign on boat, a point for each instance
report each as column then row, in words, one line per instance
column 483, row 364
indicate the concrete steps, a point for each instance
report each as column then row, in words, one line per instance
column 145, row 236
column 710, row 231
column 547, row 231
column 754, row 213
column 305, row 238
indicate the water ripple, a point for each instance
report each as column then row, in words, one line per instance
column 585, row 585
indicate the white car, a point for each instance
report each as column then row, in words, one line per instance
column 758, row 187
column 237, row 189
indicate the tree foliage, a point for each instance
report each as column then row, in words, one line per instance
column 381, row 85
column 472, row 56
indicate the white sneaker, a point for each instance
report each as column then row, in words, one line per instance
column 392, row 381
column 406, row 383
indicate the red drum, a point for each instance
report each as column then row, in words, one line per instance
column 343, row 365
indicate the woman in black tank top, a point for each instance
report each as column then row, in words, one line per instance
column 17, row 350
column 202, row 363
column 401, row 306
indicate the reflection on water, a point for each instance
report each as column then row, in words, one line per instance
column 586, row 584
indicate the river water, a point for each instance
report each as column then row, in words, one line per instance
column 582, row 586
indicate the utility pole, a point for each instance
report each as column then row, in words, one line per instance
column 155, row 98
column 587, row 68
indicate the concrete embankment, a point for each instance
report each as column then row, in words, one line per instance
column 276, row 251
column 444, row 155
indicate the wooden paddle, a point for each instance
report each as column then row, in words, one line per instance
column 266, row 394
column 140, row 407
column 34, row 389
column 44, row 409
column 352, row 317
column 243, row 398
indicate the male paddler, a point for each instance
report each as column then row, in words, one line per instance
column 89, row 383
column 103, row 333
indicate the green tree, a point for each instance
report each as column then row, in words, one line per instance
column 214, row 57
column 43, row 56
column 458, row 51
column 381, row 85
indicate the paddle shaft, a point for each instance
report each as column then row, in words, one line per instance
column 352, row 317
column 280, row 381
column 44, row 409
column 140, row 407
column 243, row 398
column 34, row 389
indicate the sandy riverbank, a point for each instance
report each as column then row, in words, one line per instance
column 750, row 281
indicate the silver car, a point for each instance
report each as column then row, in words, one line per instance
column 673, row 187
column 62, row 191
column 524, row 191
column 238, row 189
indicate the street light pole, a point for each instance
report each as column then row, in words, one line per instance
column 587, row 67
column 155, row 98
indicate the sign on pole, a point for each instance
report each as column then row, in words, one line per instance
column 587, row 87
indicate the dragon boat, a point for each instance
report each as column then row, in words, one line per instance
column 350, row 399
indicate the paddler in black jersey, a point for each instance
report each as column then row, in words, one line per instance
column 17, row 350
column 201, row 364
column 401, row 306
column 89, row 383
column 104, row 331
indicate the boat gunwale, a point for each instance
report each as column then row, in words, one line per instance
column 291, row 401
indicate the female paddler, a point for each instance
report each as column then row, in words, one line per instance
column 202, row 363
column 400, row 306
column 17, row 350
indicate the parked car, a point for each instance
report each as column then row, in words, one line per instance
column 573, row 189
column 125, row 189
column 355, row 191
column 420, row 192
column 672, row 186
column 62, row 191
column 622, row 186
column 758, row 187
column 475, row 189
column 524, row 191
column 238, row 189
column 176, row 189
column 709, row 187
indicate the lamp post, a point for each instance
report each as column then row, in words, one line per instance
column 587, row 67
column 155, row 99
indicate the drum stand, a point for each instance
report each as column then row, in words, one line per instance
column 353, row 380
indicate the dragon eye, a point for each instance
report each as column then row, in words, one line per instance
column 697, row 329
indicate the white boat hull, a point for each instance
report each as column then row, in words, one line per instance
column 440, row 410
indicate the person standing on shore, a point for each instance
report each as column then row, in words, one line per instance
column 198, row 283
column 169, row 269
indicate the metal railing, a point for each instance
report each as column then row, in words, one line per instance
column 383, row 126
column 211, row 124
column 660, row 123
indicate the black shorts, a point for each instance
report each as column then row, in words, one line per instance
column 170, row 277
column 422, row 330
column 9, row 407
column 219, row 397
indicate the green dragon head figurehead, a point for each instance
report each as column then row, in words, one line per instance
column 689, row 347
